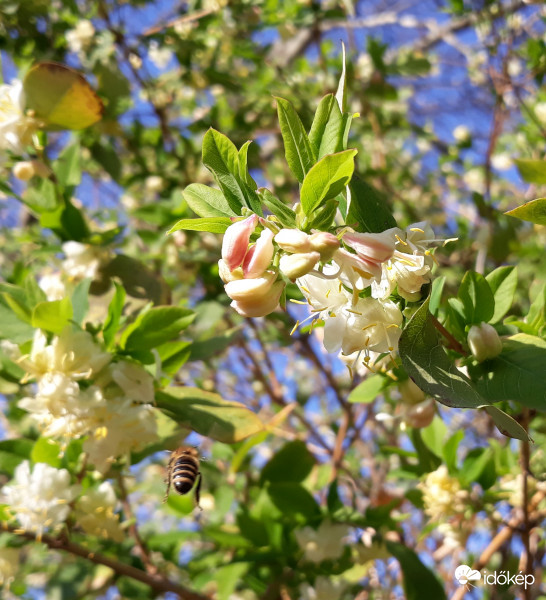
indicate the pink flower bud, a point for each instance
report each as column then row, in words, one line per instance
column 484, row 342
column 251, row 289
column 367, row 269
column 421, row 415
column 298, row 265
column 293, row 240
column 325, row 243
column 236, row 238
column 226, row 275
column 376, row 247
column 254, row 307
column 259, row 256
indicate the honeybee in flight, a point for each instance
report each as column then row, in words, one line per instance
column 183, row 472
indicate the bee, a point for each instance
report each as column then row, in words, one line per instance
column 183, row 472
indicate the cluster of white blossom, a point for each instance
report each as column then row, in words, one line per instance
column 82, row 393
column 16, row 126
column 333, row 273
column 325, row 543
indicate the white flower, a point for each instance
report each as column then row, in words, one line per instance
column 53, row 286
column 9, row 565
column 410, row 266
column 461, row 133
column 325, row 589
column 540, row 111
column 81, row 36
column 158, row 55
column 502, row 162
column 135, row 382
column 365, row 324
column 121, row 426
column 16, row 128
column 442, row 495
column 154, row 183
column 95, row 513
column 324, row 543
column 73, row 353
column 83, row 260
column 40, row 499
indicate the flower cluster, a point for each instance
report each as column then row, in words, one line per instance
column 95, row 513
column 16, row 127
column 443, row 496
column 40, row 499
column 347, row 279
column 82, row 393
column 324, row 543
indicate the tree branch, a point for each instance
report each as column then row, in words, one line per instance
column 157, row 583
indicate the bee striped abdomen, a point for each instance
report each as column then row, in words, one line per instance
column 184, row 473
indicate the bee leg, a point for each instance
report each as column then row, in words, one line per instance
column 167, row 491
column 168, row 480
column 197, row 490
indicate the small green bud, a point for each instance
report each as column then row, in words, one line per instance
column 484, row 342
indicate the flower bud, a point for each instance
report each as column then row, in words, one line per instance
column 293, row 240
column 421, row 415
column 251, row 289
column 226, row 275
column 410, row 392
column 26, row 169
column 324, row 243
column 376, row 247
column 259, row 256
column 259, row 307
column 298, row 265
column 484, row 342
column 236, row 238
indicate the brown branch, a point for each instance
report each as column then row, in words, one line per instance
column 527, row 558
column 133, row 529
column 453, row 343
column 189, row 18
column 504, row 536
column 157, row 583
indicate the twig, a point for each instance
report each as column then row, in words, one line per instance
column 156, row 582
column 190, row 18
column 453, row 343
column 527, row 558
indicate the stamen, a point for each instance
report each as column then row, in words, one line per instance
column 295, row 327
column 400, row 239
column 355, row 312
column 368, row 326
column 298, row 301
column 416, row 229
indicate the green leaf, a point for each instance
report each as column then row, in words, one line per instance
column 503, row 282
column 207, row 202
column 477, row 298
column 449, row 451
column 243, row 166
column 52, row 316
column 41, row 196
column 341, row 94
column 477, row 463
column 210, row 224
column 292, row 499
column 173, row 355
column 68, row 166
column 107, row 157
column 533, row 211
column 327, row 179
column 61, row 97
column 368, row 210
column 436, row 294
column 203, row 349
column 327, row 131
column 506, row 424
column 518, row 373
column 532, row 171
column 13, row 452
column 208, row 414
column 12, row 328
column 33, row 292
column 115, row 309
column 293, row 462
column 15, row 299
column 155, row 327
column 419, row 581
column 427, row 363
column 368, row 390
column 286, row 216
column 297, row 147
column 220, row 156
column 80, row 301
column 434, row 435
column 47, row 451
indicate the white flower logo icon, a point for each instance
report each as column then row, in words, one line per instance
column 465, row 574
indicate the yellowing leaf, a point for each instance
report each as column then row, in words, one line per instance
column 61, row 97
